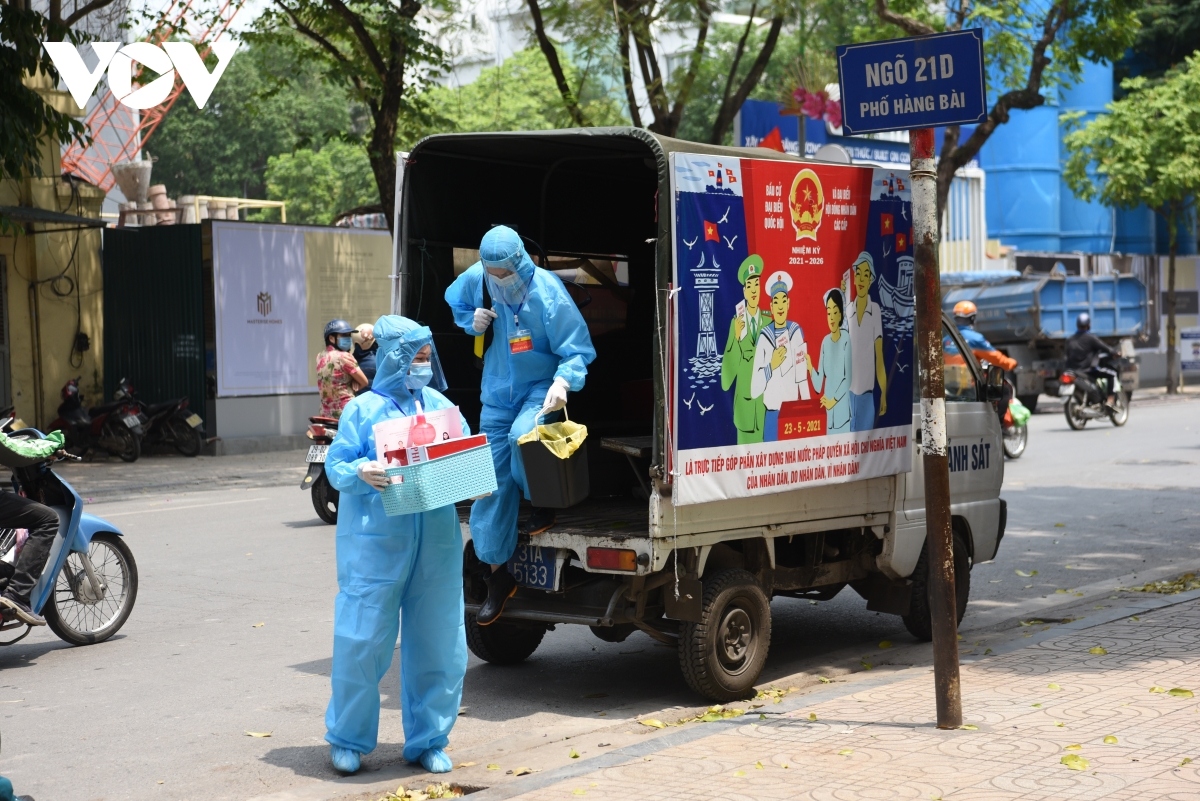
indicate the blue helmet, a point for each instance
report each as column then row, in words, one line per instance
column 336, row 327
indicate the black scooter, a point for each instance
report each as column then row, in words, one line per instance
column 324, row 497
column 168, row 423
column 1088, row 400
column 115, row 427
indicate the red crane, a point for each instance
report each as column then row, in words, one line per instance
column 126, row 129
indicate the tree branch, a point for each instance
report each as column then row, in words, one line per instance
column 737, row 55
column 79, row 13
column 635, row 114
column 913, row 27
column 694, row 62
column 731, row 105
column 556, row 68
column 363, row 36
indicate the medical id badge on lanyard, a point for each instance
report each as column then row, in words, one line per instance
column 521, row 339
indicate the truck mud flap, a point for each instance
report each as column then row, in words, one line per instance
column 1003, row 523
column 690, row 604
column 884, row 595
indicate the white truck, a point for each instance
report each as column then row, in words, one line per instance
column 598, row 208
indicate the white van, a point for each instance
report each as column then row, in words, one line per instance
column 699, row 576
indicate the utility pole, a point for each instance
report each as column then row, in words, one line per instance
column 939, row 536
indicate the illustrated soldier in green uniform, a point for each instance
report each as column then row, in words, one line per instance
column 737, row 363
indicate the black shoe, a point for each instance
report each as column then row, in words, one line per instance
column 501, row 586
column 539, row 520
column 21, row 610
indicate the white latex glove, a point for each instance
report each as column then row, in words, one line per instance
column 483, row 318
column 556, row 398
column 373, row 473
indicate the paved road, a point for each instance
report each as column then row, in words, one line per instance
column 169, row 700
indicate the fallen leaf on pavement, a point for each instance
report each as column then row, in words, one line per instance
column 1098, row 650
column 493, row 766
column 988, row 651
column 823, row 680
column 1157, row 689
column 1037, row 706
column 1180, row 692
column 969, row 727
column 1074, row 747
column 579, row 791
column 1026, row 573
column 784, row 766
column 522, row 771
column 1059, row 724
column 1060, row 525
column 885, row 644
column 865, row 664
column 1134, row 617
column 1053, row 686
column 573, row 754
column 758, row 765
column 1110, row 740
column 1185, row 761
column 739, row 773
column 258, row 734
column 1075, row 762
column 653, row 723
column 812, row 715
column 846, row 752
column 466, row 764
column 258, row 625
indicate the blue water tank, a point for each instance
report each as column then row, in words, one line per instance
column 1023, row 176
column 1086, row 227
column 1135, row 230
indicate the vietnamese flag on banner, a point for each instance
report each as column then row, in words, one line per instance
column 885, row 224
column 710, row 232
column 901, row 243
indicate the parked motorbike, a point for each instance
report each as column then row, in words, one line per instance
column 168, row 423
column 324, row 497
column 115, row 427
column 1087, row 400
column 89, row 584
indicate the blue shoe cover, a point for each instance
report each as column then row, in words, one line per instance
column 344, row 760
column 435, row 760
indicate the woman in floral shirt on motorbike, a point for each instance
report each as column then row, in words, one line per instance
column 338, row 374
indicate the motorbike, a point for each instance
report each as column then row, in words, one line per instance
column 168, row 423
column 321, row 431
column 1086, row 399
column 115, row 427
column 88, row 587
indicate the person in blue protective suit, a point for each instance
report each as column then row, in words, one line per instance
column 388, row 564
column 540, row 351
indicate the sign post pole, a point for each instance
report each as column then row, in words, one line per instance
column 939, row 537
column 917, row 84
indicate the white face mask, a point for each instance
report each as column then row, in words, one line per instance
column 509, row 289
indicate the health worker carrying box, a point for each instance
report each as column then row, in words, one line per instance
column 794, row 317
column 430, row 464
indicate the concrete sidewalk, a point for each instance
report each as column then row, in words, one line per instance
column 1060, row 693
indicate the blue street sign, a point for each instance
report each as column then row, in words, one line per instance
column 921, row 82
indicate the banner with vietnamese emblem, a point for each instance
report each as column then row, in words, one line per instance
column 793, row 315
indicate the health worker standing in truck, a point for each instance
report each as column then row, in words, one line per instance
column 540, row 350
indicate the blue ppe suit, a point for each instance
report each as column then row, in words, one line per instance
column 515, row 384
column 385, row 565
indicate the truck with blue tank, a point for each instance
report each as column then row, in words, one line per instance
column 1029, row 317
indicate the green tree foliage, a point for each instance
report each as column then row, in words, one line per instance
column 320, row 184
column 26, row 120
column 255, row 112
column 377, row 50
column 1170, row 32
column 1030, row 48
column 1146, row 150
column 518, row 95
column 625, row 38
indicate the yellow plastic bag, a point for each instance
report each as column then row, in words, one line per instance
column 561, row 439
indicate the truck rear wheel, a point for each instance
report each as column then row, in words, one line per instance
column 503, row 643
column 919, row 620
column 722, row 655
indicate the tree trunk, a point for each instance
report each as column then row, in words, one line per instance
column 1173, row 374
column 381, row 151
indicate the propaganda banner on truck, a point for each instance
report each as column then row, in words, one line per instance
column 793, row 323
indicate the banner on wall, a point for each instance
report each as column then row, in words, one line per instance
column 793, row 362
column 275, row 288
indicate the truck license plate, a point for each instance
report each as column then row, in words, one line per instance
column 534, row 567
column 316, row 453
column 194, row 420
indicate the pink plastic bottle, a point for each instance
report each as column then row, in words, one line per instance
column 422, row 433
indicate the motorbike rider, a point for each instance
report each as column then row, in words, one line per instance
column 1084, row 351
column 540, row 351
column 338, row 374
column 964, row 317
column 17, row 511
column 365, row 348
